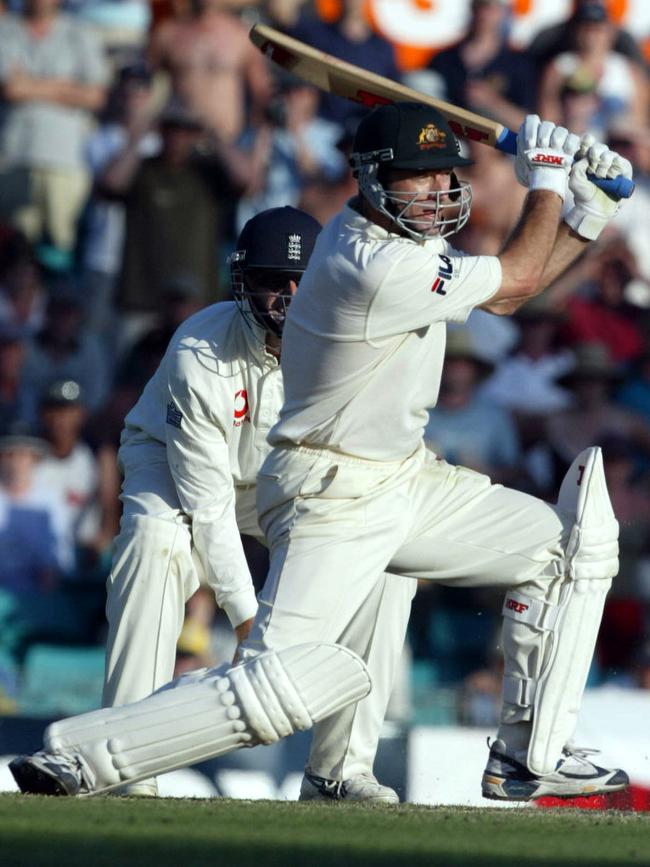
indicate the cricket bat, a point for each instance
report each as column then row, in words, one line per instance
column 351, row 82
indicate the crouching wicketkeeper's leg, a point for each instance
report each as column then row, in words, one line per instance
column 549, row 635
column 197, row 717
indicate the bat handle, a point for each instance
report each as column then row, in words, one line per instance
column 617, row 188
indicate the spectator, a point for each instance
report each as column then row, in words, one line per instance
column 282, row 14
column 620, row 83
column 482, row 73
column 28, row 547
column 128, row 124
column 71, row 470
column 212, row 66
column 598, row 311
column 496, row 201
column 526, row 382
column 64, row 350
column 178, row 206
column 14, row 401
column 22, row 294
column 322, row 197
column 641, row 667
column 632, row 141
column 290, row 149
column 462, row 428
column 628, row 491
column 592, row 416
column 634, row 393
column 582, row 107
column 558, row 38
column 53, row 78
column 181, row 298
column 348, row 37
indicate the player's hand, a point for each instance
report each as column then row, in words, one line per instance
column 241, row 634
column 545, row 153
column 593, row 208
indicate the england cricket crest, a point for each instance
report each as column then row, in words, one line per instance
column 431, row 137
column 294, row 247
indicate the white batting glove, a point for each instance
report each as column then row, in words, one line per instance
column 593, row 208
column 545, row 153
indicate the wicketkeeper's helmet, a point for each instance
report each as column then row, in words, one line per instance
column 411, row 136
column 274, row 246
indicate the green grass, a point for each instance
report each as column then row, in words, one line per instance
column 119, row 832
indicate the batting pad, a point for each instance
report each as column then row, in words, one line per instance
column 591, row 561
column 211, row 712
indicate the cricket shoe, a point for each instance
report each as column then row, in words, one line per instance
column 507, row 778
column 360, row 787
column 142, row 789
column 49, row 774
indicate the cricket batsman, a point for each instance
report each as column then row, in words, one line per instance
column 349, row 491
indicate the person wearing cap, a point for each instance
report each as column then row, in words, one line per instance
column 29, row 514
column 190, row 182
column 86, row 483
column 190, row 452
column 349, row 489
column 620, row 83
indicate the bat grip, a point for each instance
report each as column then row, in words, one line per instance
column 617, row 188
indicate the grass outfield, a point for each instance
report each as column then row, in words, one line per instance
column 119, row 832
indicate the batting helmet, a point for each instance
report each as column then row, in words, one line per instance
column 413, row 137
column 274, row 247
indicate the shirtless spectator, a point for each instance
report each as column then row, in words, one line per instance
column 212, row 64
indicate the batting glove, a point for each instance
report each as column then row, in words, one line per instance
column 593, row 208
column 545, row 153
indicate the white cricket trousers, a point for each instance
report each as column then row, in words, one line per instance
column 335, row 523
column 153, row 575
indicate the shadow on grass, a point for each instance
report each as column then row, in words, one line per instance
column 72, row 850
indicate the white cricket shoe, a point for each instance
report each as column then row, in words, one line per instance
column 507, row 778
column 360, row 787
column 143, row 789
column 49, row 774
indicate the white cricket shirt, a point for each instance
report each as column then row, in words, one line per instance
column 212, row 402
column 364, row 341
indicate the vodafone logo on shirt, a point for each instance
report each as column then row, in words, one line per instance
column 241, row 411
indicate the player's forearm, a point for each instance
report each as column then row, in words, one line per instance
column 219, row 548
column 527, row 251
column 568, row 247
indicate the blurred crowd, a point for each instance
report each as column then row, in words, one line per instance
column 137, row 138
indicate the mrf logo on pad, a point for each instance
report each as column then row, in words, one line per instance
column 513, row 605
